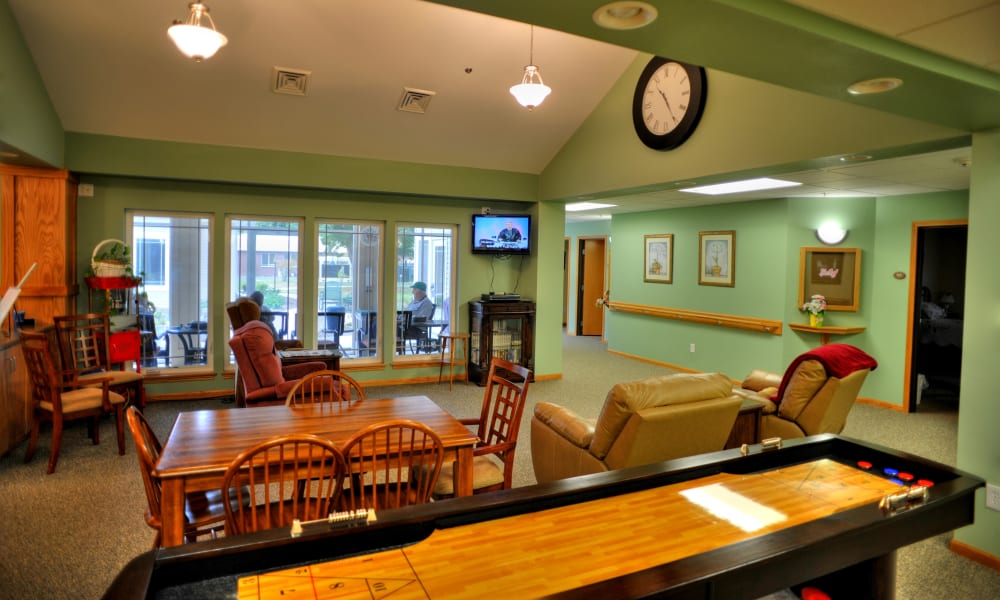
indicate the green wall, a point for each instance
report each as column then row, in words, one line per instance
column 28, row 121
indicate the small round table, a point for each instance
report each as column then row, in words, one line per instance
column 449, row 341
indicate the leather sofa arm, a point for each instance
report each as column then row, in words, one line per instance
column 566, row 423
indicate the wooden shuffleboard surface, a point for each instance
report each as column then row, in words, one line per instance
column 553, row 550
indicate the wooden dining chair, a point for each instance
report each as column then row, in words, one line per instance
column 298, row 476
column 497, row 428
column 203, row 511
column 84, row 350
column 58, row 399
column 385, row 459
column 323, row 386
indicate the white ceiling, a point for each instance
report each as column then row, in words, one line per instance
column 110, row 69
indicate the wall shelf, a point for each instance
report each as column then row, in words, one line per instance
column 825, row 331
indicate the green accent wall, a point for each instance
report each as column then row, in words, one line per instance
column 28, row 121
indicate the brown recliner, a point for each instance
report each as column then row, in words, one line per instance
column 260, row 376
column 810, row 398
column 642, row 422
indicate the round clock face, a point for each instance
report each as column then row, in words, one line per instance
column 668, row 102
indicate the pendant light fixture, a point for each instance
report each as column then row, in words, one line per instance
column 193, row 39
column 531, row 91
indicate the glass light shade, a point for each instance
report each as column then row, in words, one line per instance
column 531, row 91
column 831, row 233
column 192, row 38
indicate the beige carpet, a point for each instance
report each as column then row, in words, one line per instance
column 66, row 535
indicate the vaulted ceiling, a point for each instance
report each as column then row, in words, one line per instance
column 110, row 69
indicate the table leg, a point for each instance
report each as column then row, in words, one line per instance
column 463, row 472
column 172, row 512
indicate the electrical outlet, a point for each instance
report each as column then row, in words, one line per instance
column 692, row 346
column 993, row 496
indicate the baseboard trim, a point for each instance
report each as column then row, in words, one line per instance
column 881, row 404
column 652, row 362
column 975, row 554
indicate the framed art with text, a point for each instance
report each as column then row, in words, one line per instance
column 835, row 274
column 717, row 258
column 658, row 258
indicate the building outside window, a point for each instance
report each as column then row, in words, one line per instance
column 348, row 287
column 425, row 283
column 171, row 254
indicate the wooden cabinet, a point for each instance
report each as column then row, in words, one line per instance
column 38, row 220
column 15, row 405
column 502, row 329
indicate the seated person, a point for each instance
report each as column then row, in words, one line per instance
column 258, row 297
column 421, row 309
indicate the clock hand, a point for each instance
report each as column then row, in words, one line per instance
column 667, row 102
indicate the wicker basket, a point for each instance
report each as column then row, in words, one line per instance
column 104, row 268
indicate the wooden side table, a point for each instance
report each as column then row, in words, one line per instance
column 449, row 341
column 746, row 429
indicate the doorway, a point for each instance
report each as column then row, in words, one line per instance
column 935, row 363
column 591, row 261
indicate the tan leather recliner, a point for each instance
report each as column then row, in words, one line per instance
column 814, row 395
column 642, row 422
column 812, row 402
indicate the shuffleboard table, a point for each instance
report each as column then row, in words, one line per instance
column 823, row 511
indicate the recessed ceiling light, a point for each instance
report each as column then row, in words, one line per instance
column 578, row 206
column 878, row 85
column 855, row 158
column 625, row 15
column 747, row 185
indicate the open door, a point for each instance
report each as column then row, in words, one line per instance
column 592, row 262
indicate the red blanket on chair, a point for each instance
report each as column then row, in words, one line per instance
column 839, row 360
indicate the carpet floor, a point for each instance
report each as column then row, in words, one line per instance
column 68, row 534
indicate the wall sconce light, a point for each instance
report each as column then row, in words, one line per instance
column 831, row 233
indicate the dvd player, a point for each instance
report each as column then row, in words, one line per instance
column 491, row 297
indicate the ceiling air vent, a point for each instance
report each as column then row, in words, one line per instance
column 290, row 81
column 415, row 100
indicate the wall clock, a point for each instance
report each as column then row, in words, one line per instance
column 668, row 102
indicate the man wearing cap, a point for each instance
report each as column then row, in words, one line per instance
column 421, row 307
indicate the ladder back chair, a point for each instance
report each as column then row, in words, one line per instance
column 497, row 427
column 279, row 480
column 58, row 399
column 84, row 348
column 393, row 464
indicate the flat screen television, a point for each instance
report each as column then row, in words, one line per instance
column 501, row 234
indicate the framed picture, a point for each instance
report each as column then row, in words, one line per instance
column 717, row 258
column 833, row 273
column 658, row 259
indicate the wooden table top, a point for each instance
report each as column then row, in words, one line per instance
column 206, row 441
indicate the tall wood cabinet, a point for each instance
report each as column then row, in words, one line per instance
column 15, row 408
column 38, row 225
column 502, row 329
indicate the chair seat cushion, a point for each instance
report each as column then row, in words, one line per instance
column 82, row 399
column 114, row 377
column 485, row 472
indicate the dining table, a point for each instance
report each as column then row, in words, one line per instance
column 203, row 443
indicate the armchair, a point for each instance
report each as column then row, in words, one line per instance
column 642, row 422
column 243, row 310
column 815, row 394
column 260, row 376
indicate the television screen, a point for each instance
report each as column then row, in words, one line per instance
column 501, row 234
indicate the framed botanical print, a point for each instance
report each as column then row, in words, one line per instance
column 832, row 273
column 717, row 258
column 658, row 258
